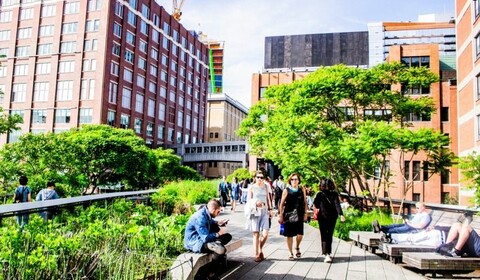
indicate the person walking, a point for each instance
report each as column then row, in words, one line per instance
column 278, row 187
column 22, row 194
column 328, row 205
column 293, row 202
column 47, row 194
column 223, row 191
column 234, row 193
column 258, row 212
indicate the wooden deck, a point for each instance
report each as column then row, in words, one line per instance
column 350, row 262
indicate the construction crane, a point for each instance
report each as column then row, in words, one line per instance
column 177, row 9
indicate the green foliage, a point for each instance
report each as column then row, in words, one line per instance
column 9, row 123
column 170, row 168
column 178, row 197
column 122, row 241
column 240, row 173
column 358, row 221
column 317, row 126
column 470, row 167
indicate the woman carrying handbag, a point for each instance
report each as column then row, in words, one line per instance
column 292, row 213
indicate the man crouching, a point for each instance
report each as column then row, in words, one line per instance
column 203, row 234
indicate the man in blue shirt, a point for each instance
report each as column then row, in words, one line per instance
column 420, row 221
column 203, row 234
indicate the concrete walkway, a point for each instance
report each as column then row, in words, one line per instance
column 350, row 262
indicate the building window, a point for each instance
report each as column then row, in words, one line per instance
column 180, row 119
column 378, row 114
column 142, row 46
column 87, row 90
column 154, row 54
column 46, row 30
column 161, row 112
column 66, row 66
column 153, row 70
column 85, row 115
column 477, row 45
column 118, row 9
column 478, row 86
column 48, row 10
column 130, row 38
column 115, row 69
column 90, row 45
column 128, row 75
column 64, row 90
column 3, row 51
column 407, row 170
column 89, row 65
column 126, row 98
column 416, row 197
column 131, row 18
column 141, row 81
column 444, row 112
column 5, row 16
column 170, row 134
column 425, row 171
column 39, row 116
column 69, row 27
column 24, row 33
column 43, row 68
column 163, row 92
column 151, row 108
column 22, row 51
column 71, row 8
column 111, row 117
column 116, row 49
column 3, row 71
column 139, row 98
column 124, row 121
column 161, row 132
column 476, row 4
column 26, row 13
column 20, row 70
column 143, row 27
column 40, row 91
column 445, row 177
column 188, row 121
column 112, row 93
column 415, row 117
column 416, row 170
column 68, row 47
column 19, row 92
column 412, row 90
column 117, row 30
column 92, row 25
column 149, row 129
column 416, row 61
column 152, row 87
column 62, row 116
column 44, row 49
column 138, row 125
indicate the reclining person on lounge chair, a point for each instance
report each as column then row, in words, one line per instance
column 420, row 221
column 465, row 241
column 432, row 236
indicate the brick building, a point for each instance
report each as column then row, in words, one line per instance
column 128, row 64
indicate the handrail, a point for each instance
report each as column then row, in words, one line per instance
column 8, row 210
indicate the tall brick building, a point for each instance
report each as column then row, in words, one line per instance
column 128, row 64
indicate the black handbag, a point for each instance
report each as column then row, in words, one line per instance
column 291, row 217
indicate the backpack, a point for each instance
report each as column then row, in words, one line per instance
column 18, row 196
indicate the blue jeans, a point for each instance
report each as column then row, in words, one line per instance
column 398, row 228
column 22, row 220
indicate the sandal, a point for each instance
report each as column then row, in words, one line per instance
column 258, row 259
column 298, row 255
column 261, row 256
column 291, row 258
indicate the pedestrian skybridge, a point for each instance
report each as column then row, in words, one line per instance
column 233, row 151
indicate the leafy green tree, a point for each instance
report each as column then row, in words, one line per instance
column 170, row 168
column 241, row 174
column 470, row 167
column 8, row 123
column 343, row 122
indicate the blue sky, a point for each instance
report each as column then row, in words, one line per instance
column 244, row 24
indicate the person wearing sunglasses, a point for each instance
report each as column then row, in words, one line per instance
column 294, row 200
column 258, row 220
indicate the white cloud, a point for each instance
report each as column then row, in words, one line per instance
column 244, row 24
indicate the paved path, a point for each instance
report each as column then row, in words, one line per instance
column 350, row 262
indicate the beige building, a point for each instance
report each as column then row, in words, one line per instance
column 224, row 116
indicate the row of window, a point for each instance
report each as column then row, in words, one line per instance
column 39, row 116
column 215, row 149
column 64, row 66
column 64, row 91
column 48, row 10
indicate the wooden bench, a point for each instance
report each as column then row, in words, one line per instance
column 187, row 264
column 393, row 252
column 431, row 262
column 367, row 240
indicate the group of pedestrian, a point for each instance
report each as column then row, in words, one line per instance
column 23, row 194
column 205, row 234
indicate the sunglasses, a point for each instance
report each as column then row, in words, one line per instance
column 294, row 179
column 259, row 177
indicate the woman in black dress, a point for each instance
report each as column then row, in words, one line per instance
column 328, row 205
column 293, row 198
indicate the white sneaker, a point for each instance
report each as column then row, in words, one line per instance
column 327, row 259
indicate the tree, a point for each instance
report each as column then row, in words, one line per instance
column 8, row 123
column 470, row 166
column 170, row 168
column 343, row 123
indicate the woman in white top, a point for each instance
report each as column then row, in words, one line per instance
column 259, row 221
